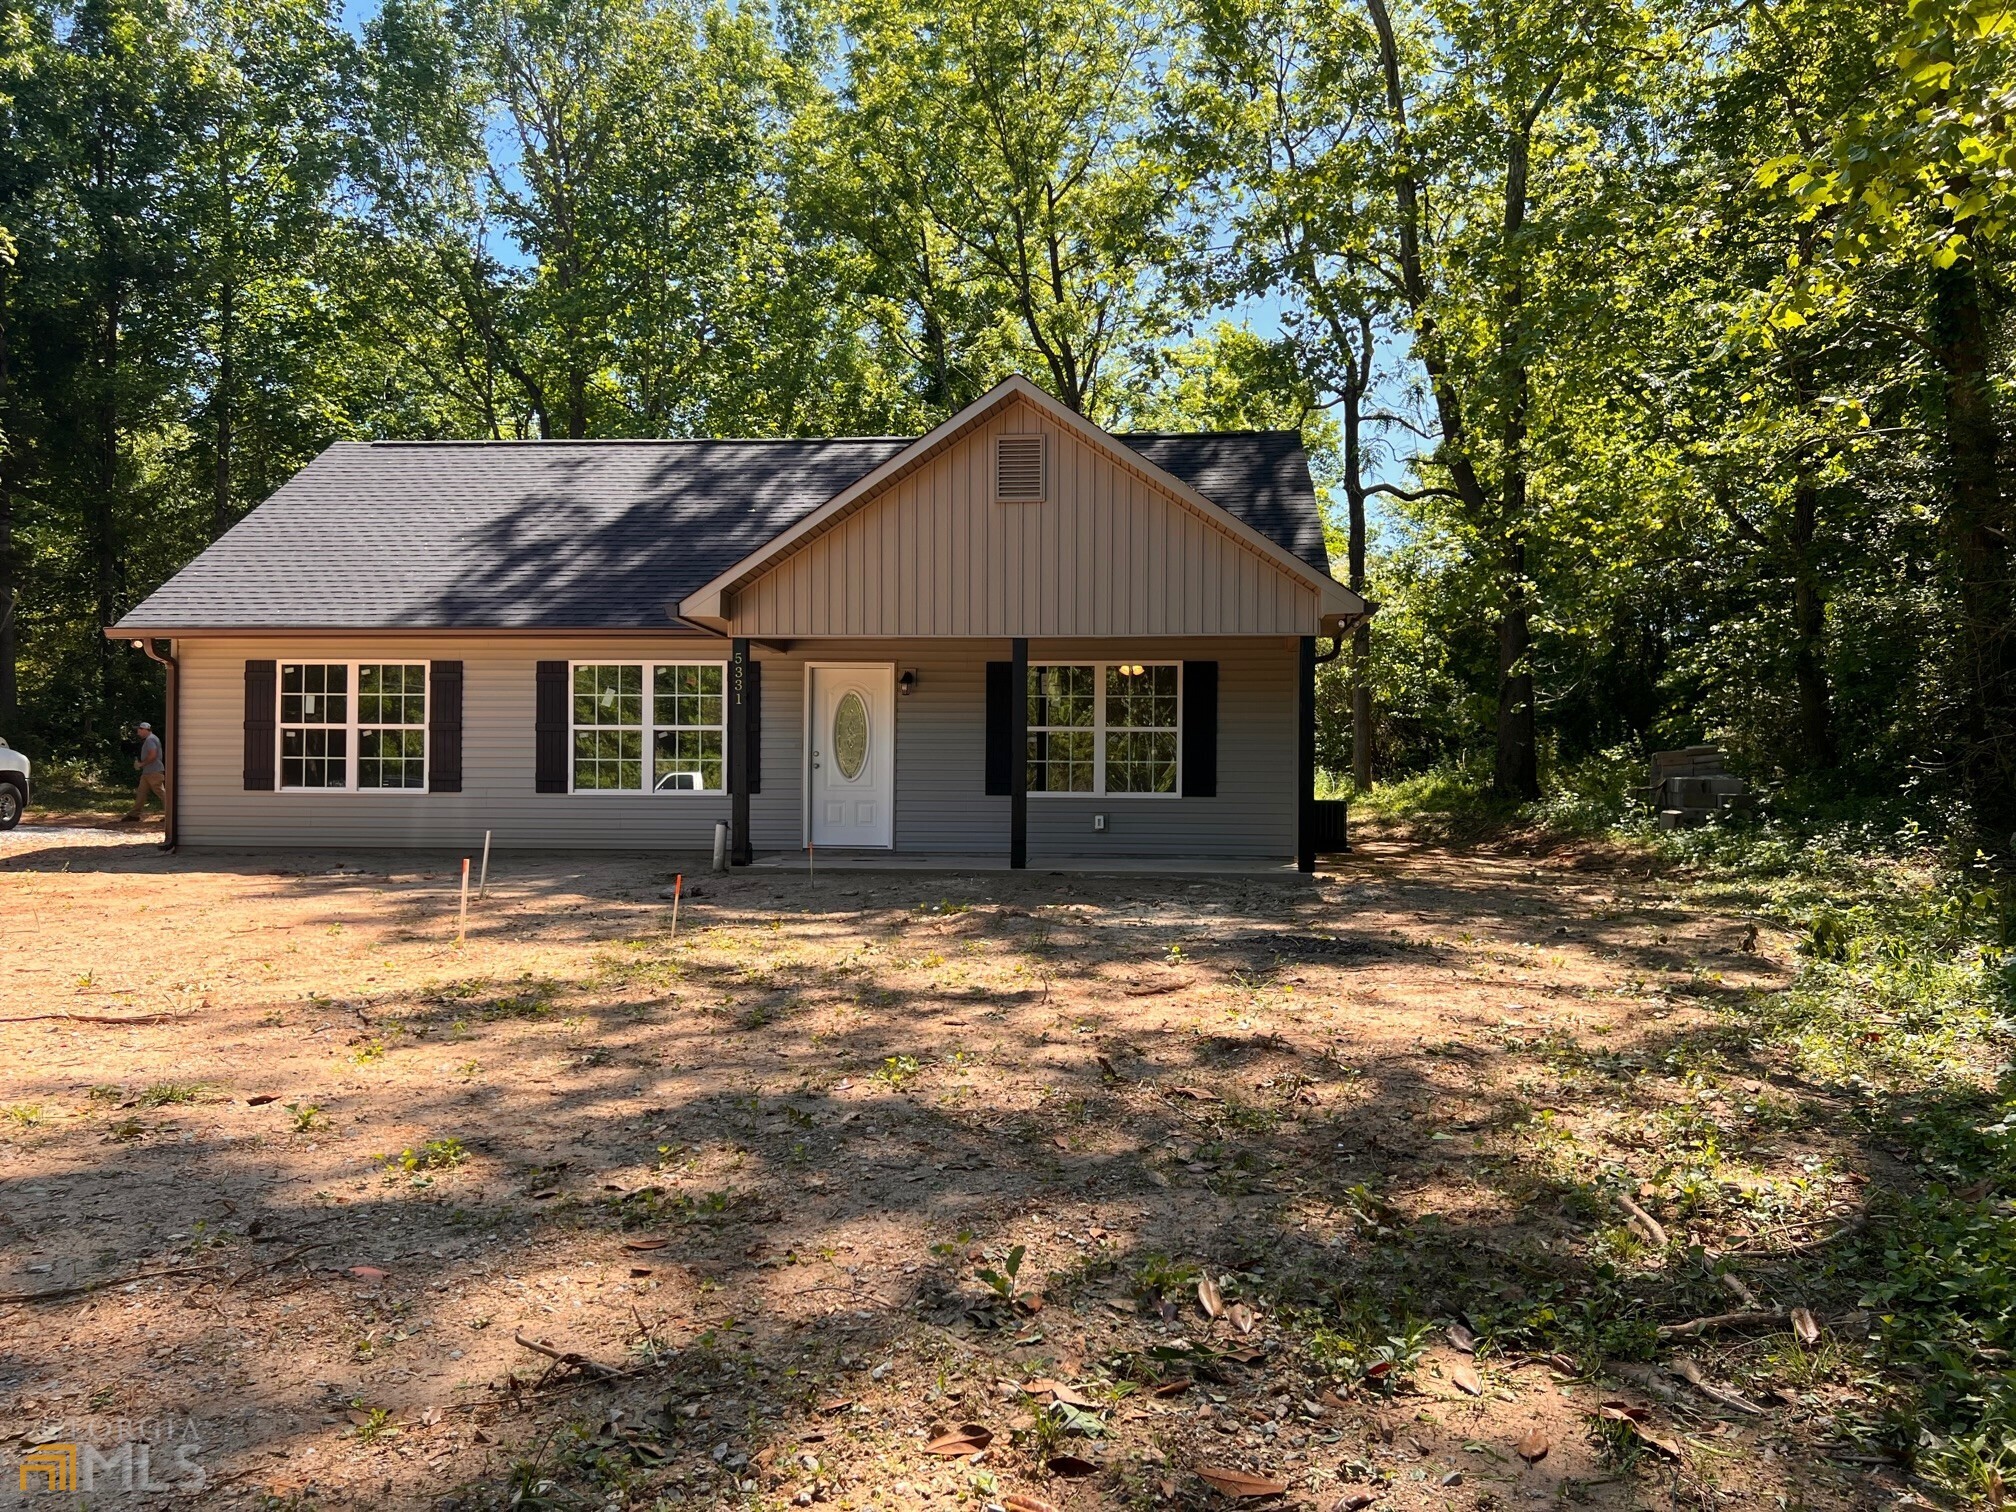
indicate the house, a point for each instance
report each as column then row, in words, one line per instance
column 818, row 642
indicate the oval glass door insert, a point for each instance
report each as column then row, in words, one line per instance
column 850, row 735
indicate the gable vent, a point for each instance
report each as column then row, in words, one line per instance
column 1018, row 470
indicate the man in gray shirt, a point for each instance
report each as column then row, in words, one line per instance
column 153, row 772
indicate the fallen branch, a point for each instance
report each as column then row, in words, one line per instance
column 272, row 1265
column 94, row 1018
column 55, row 1293
column 1688, row 1371
column 570, row 1358
column 1797, row 1247
column 1749, row 1319
column 1649, row 1227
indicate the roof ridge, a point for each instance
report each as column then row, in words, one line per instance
column 631, row 441
column 1251, row 430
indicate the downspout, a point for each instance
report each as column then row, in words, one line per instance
column 170, row 803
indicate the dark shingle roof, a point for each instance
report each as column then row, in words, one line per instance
column 588, row 535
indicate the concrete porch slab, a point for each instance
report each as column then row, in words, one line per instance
column 910, row 861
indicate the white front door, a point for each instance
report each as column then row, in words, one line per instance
column 851, row 740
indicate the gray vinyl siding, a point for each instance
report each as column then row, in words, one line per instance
column 1109, row 553
column 941, row 729
column 941, row 805
column 497, row 756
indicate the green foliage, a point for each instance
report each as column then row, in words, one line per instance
column 434, row 1155
column 895, row 1070
column 1002, row 1282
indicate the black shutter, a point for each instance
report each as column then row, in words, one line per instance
column 1200, row 729
column 262, row 695
column 444, row 727
column 755, row 767
column 1000, row 716
column 549, row 729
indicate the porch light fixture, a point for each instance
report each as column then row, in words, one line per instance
column 1131, row 669
column 907, row 682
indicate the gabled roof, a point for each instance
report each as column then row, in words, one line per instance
column 705, row 604
column 595, row 535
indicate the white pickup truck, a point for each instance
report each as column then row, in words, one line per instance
column 13, row 786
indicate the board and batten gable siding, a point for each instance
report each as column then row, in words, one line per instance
column 1109, row 553
column 941, row 802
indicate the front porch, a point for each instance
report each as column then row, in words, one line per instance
column 815, row 863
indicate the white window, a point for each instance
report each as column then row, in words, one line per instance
column 1105, row 727
column 355, row 725
column 678, row 710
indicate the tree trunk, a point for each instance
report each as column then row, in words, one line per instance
column 223, row 513
column 10, row 691
column 1516, row 771
column 1361, row 638
column 102, row 509
column 1809, row 635
column 1978, row 530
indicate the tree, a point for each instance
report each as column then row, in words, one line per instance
column 1499, row 87
column 1273, row 108
column 1008, row 142
column 1922, row 173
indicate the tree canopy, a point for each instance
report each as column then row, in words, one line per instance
column 1656, row 359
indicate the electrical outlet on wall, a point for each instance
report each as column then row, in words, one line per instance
column 1099, row 823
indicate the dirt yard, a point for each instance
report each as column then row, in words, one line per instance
column 917, row 1191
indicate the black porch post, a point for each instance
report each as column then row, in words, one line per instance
column 1305, row 755
column 1018, row 754
column 740, row 853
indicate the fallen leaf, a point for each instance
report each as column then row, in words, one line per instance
column 1208, row 1297
column 1106, row 1068
column 639, row 1271
column 1020, row 1501
column 1461, row 1339
column 1379, row 1371
column 1330, row 1398
column 1057, row 1391
column 1533, row 1445
column 1354, row 1501
column 645, row 1244
column 544, row 1192
column 366, row 1273
column 1242, row 1317
column 1805, row 1326
column 1173, row 1388
column 837, row 1404
column 1195, row 1094
column 1466, row 1378
column 1622, row 1412
column 1240, row 1483
column 967, row 1438
column 1030, row 1302
column 1071, row 1466
column 1666, row 1446
column 262, row 1099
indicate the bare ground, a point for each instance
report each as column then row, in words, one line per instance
column 289, row 1177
